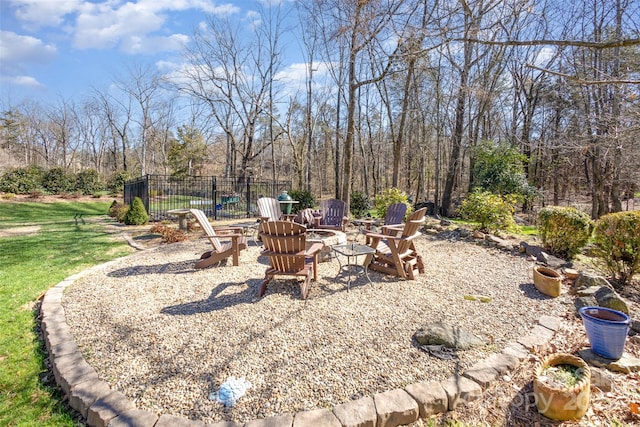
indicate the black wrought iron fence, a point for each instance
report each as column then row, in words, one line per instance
column 219, row 198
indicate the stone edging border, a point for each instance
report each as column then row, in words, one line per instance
column 101, row 406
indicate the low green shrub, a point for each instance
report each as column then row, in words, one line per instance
column 88, row 181
column 115, row 184
column 22, row 180
column 118, row 211
column 617, row 244
column 388, row 197
column 359, row 204
column 305, row 198
column 58, row 181
column 564, row 230
column 490, row 211
column 137, row 214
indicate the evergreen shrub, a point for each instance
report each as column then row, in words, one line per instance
column 490, row 211
column 22, row 180
column 58, row 181
column 305, row 198
column 617, row 244
column 118, row 211
column 137, row 214
column 116, row 183
column 388, row 197
column 88, row 182
column 359, row 204
column 564, row 230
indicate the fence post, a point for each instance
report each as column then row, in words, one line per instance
column 214, row 197
column 248, row 197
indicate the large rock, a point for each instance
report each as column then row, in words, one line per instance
column 541, row 256
column 586, row 301
column 626, row 364
column 586, row 280
column 608, row 298
column 440, row 333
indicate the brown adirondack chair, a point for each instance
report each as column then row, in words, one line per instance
column 269, row 209
column 333, row 215
column 396, row 254
column 393, row 217
column 285, row 243
column 226, row 241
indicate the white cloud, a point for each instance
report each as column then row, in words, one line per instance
column 40, row 13
column 26, row 81
column 135, row 27
column 136, row 44
column 17, row 51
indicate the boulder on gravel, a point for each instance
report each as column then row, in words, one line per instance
column 440, row 333
column 586, row 280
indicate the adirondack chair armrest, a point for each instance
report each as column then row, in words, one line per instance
column 264, row 218
column 314, row 249
column 392, row 229
column 228, row 230
column 376, row 235
column 400, row 238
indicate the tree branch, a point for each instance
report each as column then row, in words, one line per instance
column 576, row 43
column 581, row 81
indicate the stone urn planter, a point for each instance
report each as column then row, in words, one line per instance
column 547, row 280
column 562, row 387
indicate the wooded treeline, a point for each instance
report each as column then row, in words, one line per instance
column 396, row 93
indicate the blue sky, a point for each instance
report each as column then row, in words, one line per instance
column 52, row 49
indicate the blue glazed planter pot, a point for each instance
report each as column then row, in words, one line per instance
column 607, row 330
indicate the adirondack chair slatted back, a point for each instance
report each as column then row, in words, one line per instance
column 395, row 214
column 269, row 208
column 333, row 212
column 411, row 229
column 284, row 243
column 207, row 228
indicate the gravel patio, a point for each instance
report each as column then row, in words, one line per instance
column 167, row 336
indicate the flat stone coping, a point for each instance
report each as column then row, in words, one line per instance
column 102, row 406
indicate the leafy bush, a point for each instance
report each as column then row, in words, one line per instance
column 58, row 181
column 499, row 169
column 564, row 230
column 388, row 197
column 22, row 180
column 360, row 204
column 118, row 211
column 305, row 198
column 88, row 182
column 491, row 211
column 617, row 244
column 169, row 234
column 137, row 214
column 116, row 183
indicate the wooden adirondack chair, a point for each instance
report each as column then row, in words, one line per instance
column 396, row 254
column 284, row 243
column 393, row 217
column 268, row 209
column 333, row 215
column 226, row 241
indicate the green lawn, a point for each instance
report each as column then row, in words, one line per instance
column 29, row 265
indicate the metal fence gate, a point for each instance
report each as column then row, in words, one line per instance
column 219, row 198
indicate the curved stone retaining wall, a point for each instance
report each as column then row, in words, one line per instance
column 102, row 406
